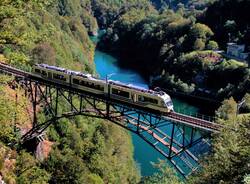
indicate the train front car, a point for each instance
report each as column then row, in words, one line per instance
column 167, row 101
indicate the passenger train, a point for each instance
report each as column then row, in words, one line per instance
column 154, row 100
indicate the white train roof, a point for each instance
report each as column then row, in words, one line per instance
column 139, row 88
column 64, row 70
column 118, row 83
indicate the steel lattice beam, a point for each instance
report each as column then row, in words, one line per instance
column 170, row 138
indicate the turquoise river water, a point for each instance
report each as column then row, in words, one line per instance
column 144, row 154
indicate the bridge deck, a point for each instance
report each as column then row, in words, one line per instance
column 172, row 116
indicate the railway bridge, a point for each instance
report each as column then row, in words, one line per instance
column 176, row 136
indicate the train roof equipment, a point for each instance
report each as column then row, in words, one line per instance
column 131, row 86
column 60, row 69
column 158, row 92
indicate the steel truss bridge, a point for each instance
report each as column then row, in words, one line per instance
column 176, row 136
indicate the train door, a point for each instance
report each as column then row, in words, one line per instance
column 134, row 97
column 49, row 75
column 44, row 73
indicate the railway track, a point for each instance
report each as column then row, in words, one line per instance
column 194, row 121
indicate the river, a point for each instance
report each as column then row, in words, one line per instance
column 144, row 154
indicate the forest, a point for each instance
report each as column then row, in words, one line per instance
column 75, row 150
column 179, row 48
column 172, row 42
column 176, row 46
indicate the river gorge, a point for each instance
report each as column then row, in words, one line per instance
column 108, row 66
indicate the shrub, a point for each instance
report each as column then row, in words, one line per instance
column 212, row 45
column 44, row 53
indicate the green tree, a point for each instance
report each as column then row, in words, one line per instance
column 13, row 112
column 56, row 32
column 199, row 44
column 44, row 53
column 247, row 179
column 227, row 110
column 230, row 158
column 230, row 26
column 65, row 167
column 28, row 170
column 212, row 45
column 201, row 31
column 94, row 179
column 180, row 9
column 165, row 175
column 246, row 105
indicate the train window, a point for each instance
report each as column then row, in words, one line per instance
column 147, row 99
column 49, row 75
column 101, row 87
column 59, row 77
column 76, row 81
column 44, row 72
column 90, row 85
column 120, row 93
column 37, row 71
column 170, row 103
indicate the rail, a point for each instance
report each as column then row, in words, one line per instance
column 195, row 122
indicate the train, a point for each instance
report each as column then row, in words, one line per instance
column 156, row 100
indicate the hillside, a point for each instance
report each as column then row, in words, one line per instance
column 56, row 32
column 173, row 43
column 178, row 50
column 233, row 24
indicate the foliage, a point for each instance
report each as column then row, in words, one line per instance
column 7, row 164
column 232, row 75
column 233, row 21
column 200, row 31
column 44, row 53
column 246, row 105
column 165, row 175
column 130, row 18
column 187, row 4
column 212, row 45
column 199, row 44
column 28, row 170
column 38, row 34
column 65, row 167
column 13, row 112
column 80, row 9
column 144, row 36
column 173, row 42
column 99, row 150
column 247, row 179
column 229, row 161
column 170, row 81
column 56, row 32
column 94, row 151
column 106, row 11
column 228, row 110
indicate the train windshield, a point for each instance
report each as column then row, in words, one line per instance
column 169, row 103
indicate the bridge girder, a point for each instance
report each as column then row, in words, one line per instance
column 172, row 139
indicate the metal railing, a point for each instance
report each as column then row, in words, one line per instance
column 195, row 114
